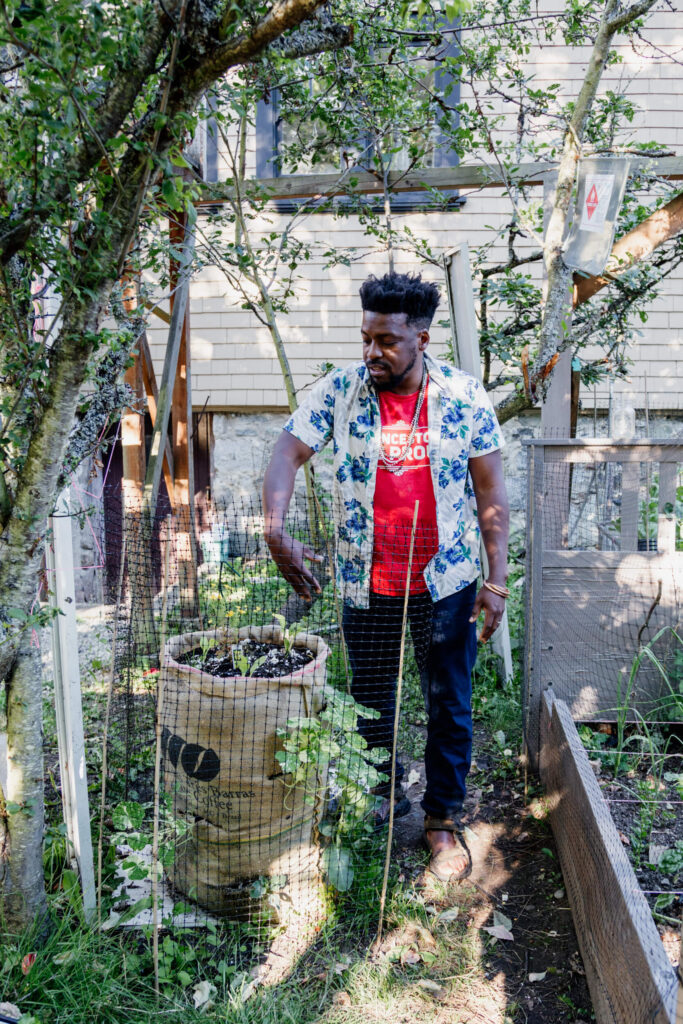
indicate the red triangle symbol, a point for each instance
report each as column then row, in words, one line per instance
column 592, row 202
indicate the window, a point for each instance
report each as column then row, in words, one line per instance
column 271, row 133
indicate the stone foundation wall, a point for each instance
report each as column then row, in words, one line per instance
column 243, row 443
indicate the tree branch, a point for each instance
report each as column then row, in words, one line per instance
column 118, row 102
column 658, row 228
column 313, row 39
column 629, row 15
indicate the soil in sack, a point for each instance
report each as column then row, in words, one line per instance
column 238, row 820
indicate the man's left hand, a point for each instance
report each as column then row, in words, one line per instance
column 493, row 607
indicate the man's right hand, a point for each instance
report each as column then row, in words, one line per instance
column 290, row 556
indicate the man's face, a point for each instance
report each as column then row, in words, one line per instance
column 392, row 350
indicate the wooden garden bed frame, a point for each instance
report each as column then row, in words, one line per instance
column 629, row 974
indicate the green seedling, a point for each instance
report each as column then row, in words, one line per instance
column 288, row 633
column 671, row 861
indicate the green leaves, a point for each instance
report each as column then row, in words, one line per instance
column 128, row 816
column 330, row 749
column 338, row 867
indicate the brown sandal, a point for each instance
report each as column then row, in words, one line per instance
column 439, row 862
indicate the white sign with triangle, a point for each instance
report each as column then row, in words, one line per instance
column 598, row 194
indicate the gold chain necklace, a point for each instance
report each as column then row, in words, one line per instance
column 395, row 463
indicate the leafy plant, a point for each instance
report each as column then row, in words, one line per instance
column 671, row 861
column 327, row 752
column 242, row 663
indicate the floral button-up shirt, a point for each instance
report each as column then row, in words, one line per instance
column 343, row 407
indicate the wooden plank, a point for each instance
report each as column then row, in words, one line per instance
column 630, row 978
column 663, row 224
column 643, row 562
column 155, row 463
column 468, row 357
column 597, row 442
column 630, row 505
column 68, row 706
column 162, row 314
column 666, row 518
column 461, row 308
column 536, row 541
column 150, row 383
column 133, row 439
column 304, row 186
column 133, row 419
column 587, row 455
column 181, row 425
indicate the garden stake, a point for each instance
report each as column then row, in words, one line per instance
column 105, row 732
column 157, row 763
column 337, row 609
column 399, row 687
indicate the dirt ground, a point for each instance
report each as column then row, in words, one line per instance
column 536, row 976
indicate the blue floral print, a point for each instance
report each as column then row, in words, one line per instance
column 343, row 407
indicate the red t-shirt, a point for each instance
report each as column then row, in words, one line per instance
column 395, row 497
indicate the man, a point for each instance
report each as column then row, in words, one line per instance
column 405, row 428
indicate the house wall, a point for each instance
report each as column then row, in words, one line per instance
column 234, row 368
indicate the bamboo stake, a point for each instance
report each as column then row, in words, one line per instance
column 399, row 688
column 105, row 735
column 157, row 764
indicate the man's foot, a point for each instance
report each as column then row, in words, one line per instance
column 449, row 860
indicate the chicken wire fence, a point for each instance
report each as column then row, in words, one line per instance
column 275, row 717
column 604, row 576
column 604, row 579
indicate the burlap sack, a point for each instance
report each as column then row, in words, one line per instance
column 219, row 738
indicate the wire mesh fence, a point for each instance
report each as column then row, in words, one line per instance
column 275, row 717
column 604, row 588
column 605, row 577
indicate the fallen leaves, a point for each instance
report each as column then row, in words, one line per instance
column 501, row 927
column 203, row 995
column 433, row 988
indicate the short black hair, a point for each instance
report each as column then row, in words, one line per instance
column 401, row 293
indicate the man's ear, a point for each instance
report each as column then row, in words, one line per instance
column 422, row 340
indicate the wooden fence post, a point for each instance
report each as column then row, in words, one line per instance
column 181, row 425
column 468, row 358
column 68, row 707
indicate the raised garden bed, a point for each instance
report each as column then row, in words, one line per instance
column 629, row 973
column 641, row 780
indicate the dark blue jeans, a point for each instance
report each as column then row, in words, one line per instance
column 445, row 644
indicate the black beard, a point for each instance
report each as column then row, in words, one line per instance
column 396, row 378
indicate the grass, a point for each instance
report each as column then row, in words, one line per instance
column 82, row 976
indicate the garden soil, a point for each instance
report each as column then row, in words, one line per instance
column 537, row 976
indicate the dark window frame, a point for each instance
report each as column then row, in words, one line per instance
column 267, row 143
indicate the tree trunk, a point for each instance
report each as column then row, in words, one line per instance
column 22, row 888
